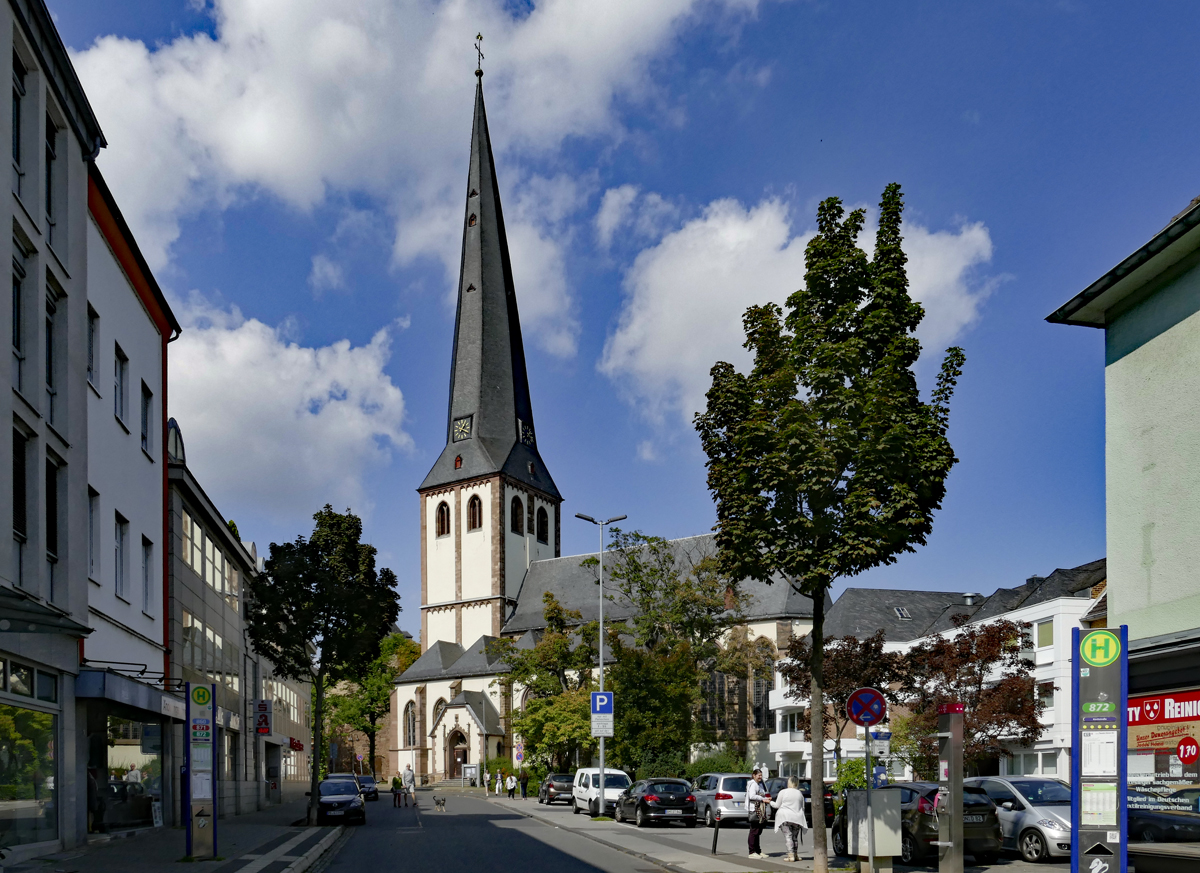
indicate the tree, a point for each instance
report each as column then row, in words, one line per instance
column 360, row 704
column 824, row 461
column 980, row 666
column 849, row 664
column 319, row 612
column 658, row 689
column 555, row 728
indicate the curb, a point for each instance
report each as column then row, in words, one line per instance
column 313, row 855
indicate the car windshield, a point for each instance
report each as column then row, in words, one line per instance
column 338, row 786
column 614, row 780
column 561, row 780
column 667, row 788
column 365, row 780
column 1039, row 792
column 734, row 783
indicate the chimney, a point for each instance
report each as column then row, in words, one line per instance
column 969, row 599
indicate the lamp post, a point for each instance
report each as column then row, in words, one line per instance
column 601, row 804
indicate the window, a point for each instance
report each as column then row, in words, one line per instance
column 902, row 613
column 18, row 97
column 120, row 556
column 51, row 355
column 20, row 679
column 93, row 330
column 443, row 519
column 543, row 526
column 1045, row 693
column 1045, row 634
column 47, row 687
column 438, row 707
column 474, row 513
column 410, row 725
column 518, row 517
column 20, row 503
column 93, row 540
column 51, row 155
column 147, row 576
column 51, row 520
column 147, row 417
column 1049, row 763
column 120, row 373
column 18, row 318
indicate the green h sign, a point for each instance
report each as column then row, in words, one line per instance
column 1100, row 648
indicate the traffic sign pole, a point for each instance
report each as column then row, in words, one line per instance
column 867, row 706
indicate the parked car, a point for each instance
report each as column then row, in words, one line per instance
column 721, row 795
column 661, row 800
column 366, row 784
column 777, row 783
column 339, row 800
column 1034, row 813
column 1154, row 819
column 919, row 823
column 585, row 791
column 556, row 786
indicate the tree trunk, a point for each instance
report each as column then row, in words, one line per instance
column 816, row 714
column 371, row 746
column 318, row 738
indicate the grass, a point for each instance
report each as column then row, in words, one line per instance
column 603, row 818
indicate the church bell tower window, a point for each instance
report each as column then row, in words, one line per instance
column 518, row 517
column 443, row 519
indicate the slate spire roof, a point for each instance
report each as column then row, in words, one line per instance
column 489, row 424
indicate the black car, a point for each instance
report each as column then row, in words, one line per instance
column 556, row 786
column 366, row 785
column 651, row 800
column 919, row 823
column 340, row 802
column 778, row 783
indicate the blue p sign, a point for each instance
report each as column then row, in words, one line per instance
column 602, row 703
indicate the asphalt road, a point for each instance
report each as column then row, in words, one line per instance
column 472, row 835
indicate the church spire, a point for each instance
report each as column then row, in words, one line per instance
column 489, row 427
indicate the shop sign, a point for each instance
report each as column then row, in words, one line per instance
column 263, row 717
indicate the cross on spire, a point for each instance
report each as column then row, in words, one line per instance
column 479, row 52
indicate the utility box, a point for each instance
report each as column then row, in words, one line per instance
column 885, row 806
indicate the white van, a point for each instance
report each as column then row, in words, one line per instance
column 585, row 791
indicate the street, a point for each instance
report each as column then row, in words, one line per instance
column 525, row 835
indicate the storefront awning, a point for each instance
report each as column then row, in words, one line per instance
column 130, row 692
column 21, row 613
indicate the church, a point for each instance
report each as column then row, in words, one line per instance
column 491, row 519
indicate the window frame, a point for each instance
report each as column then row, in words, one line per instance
column 442, row 525
column 20, row 500
column 474, row 513
column 516, row 522
column 543, row 526
column 121, row 556
column 93, row 538
column 1048, row 623
column 147, row 416
column 147, row 575
column 120, row 382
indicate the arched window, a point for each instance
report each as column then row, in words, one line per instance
column 443, row 519
column 410, row 725
column 518, row 517
column 438, row 707
column 474, row 513
column 543, row 526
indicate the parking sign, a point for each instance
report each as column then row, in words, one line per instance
column 602, row 713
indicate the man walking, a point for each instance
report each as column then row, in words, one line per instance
column 511, row 784
column 487, row 777
column 754, row 800
column 409, row 781
column 524, row 785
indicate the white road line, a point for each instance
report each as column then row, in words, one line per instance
column 275, row 854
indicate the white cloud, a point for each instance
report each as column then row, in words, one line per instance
column 271, row 423
column 304, row 97
column 625, row 208
column 325, row 275
column 614, row 212
column 685, row 296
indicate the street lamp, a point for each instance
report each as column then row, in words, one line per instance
column 602, row 805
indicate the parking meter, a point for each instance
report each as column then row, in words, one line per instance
column 949, row 804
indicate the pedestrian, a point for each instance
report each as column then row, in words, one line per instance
column 524, row 785
column 499, row 782
column 408, row 782
column 756, row 810
column 789, row 817
column 511, row 784
column 134, row 774
column 487, row 777
column 397, row 787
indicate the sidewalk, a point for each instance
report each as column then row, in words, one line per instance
column 259, row 842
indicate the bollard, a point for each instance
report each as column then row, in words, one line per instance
column 716, row 832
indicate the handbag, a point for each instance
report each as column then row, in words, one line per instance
column 759, row 815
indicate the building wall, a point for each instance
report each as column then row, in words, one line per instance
column 123, row 477
column 1152, row 441
column 477, row 571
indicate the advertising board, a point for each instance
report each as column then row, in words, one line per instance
column 1164, row 767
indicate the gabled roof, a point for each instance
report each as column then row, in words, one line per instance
column 479, row 659
column 433, row 662
column 860, row 612
column 575, row 588
column 480, row 708
column 489, row 386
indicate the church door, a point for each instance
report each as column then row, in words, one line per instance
column 456, row 745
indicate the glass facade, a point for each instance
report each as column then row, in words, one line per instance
column 28, row 799
column 133, row 768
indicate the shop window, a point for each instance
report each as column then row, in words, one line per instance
column 28, row 771
column 47, row 687
column 131, row 770
column 20, row 680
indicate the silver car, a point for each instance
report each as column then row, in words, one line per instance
column 1034, row 811
column 721, row 795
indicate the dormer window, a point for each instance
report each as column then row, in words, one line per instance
column 902, row 613
column 458, row 462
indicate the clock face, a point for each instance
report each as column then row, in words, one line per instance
column 462, row 428
column 527, row 434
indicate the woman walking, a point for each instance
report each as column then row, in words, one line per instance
column 789, row 817
column 499, row 782
column 511, row 784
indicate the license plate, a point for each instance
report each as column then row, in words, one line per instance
column 334, row 812
column 674, row 812
column 973, row 819
column 737, row 804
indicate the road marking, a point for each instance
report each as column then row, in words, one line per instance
column 275, row 854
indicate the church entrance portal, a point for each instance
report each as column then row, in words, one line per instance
column 456, row 754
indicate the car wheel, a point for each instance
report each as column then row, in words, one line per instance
column 1151, row 835
column 1033, row 847
column 593, row 808
column 574, row 806
column 709, row 821
column 908, row 848
column 640, row 819
column 839, row 843
column 619, row 812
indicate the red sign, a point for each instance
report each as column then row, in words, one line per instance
column 1171, row 706
column 295, row 745
column 1187, row 751
column 866, row 707
column 948, row 708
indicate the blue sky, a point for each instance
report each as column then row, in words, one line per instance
column 295, row 171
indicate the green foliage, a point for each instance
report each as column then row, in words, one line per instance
column 722, row 762
column 742, row 657
column 823, row 460
column 909, row 744
column 658, row 691
column 559, row 661
column 319, row 612
column 363, row 703
column 232, row 525
column 851, row 773
column 556, row 728
column 668, row 764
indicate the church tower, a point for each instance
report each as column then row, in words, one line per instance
column 489, row 506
